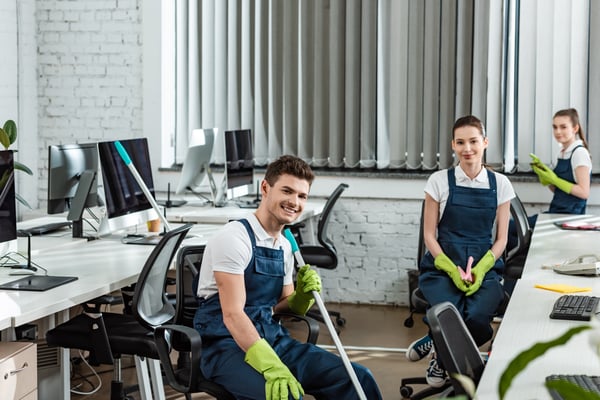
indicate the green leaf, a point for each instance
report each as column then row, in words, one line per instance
column 22, row 201
column 4, row 139
column 521, row 361
column 23, row 168
column 570, row 390
column 11, row 130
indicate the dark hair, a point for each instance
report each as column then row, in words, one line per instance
column 574, row 116
column 289, row 165
column 469, row 120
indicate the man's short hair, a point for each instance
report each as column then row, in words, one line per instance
column 289, row 165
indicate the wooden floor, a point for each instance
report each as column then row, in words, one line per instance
column 374, row 335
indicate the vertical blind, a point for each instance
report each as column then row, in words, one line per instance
column 378, row 84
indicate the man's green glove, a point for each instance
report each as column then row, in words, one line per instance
column 302, row 299
column 279, row 380
column 483, row 266
column 547, row 175
column 443, row 263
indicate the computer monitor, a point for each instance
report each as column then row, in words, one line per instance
column 72, row 181
column 239, row 156
column 8, row 214
column 126, row 203
column 196, row 166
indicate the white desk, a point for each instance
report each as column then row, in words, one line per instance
column 527, row 321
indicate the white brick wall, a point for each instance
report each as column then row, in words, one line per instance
column 90, row 80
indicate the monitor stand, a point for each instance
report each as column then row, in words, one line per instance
column 78, row 204
column 170, row 203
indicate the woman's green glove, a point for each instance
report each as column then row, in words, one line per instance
column 279, row 380
column 302, row 299
column 483, row 266
column 547, row 175
column 443, row 263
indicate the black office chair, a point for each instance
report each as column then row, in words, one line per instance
column 109, row 335
column 323, row 255
column 514, row 258
column 185, row 375
column 455, row 347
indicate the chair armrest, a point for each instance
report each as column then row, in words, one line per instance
column 312, row 325
column 164, row 336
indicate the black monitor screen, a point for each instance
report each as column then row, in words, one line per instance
column 66, row 165
column 123, row 194
column 240, row 158
column 8, row 214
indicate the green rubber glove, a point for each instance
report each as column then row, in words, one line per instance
column 546, row 174
column 302, row 299
column 536, row 162
column 481, row 268
column 279, row 380
column 443, row 263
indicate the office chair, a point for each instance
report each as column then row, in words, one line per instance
column 455, row 347
column 109, row 335
column 180, row 336
column 514, row 258
column 323, row 255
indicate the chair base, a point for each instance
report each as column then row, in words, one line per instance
column 406, row 391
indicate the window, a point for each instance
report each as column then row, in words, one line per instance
column 378, row 84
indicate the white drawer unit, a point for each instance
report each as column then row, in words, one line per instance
column 18, row 370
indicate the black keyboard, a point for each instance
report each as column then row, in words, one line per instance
column 587, row 382
column 574, row 307
column 46, row 228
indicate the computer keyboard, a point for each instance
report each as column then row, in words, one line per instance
column 590, row 383
column 574, row 307
column 141, row 239
column 46, row 228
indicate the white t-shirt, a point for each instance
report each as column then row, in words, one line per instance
column 438, row 188
column 581, row 157
column 230, row 250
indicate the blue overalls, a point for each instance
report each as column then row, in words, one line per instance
column 321, row 373
column 464, row 230
column 564, row 203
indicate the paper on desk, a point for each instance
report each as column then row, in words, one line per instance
column 562, row 288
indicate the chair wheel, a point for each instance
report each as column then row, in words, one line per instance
column 340, row 321
column 406, row 392
column 409, row 322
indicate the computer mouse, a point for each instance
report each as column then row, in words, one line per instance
column 21, row 272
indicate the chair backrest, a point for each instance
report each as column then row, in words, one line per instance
column 151, row 307
column 188, row 264
column 322, row 233
column 421, row 249
column 454, row 345
column 523, row 230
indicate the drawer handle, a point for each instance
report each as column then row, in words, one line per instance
column 16, row 371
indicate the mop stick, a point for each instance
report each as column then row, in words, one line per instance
column 338, row 344
column 123, row 153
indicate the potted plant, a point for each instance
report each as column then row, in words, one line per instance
column 8, row 135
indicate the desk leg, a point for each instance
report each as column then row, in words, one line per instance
column 141, row 369
column 155, row 375
column 65, row 357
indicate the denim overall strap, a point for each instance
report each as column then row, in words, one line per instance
column 564, row 203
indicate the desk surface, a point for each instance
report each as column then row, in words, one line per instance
column 221, row 215
column 527, row 321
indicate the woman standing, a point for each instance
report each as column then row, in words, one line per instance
column 570, row 179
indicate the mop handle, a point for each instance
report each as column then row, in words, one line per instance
column 338, row 344
column 123, row 153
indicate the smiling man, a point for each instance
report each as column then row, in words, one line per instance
column 246, row 274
